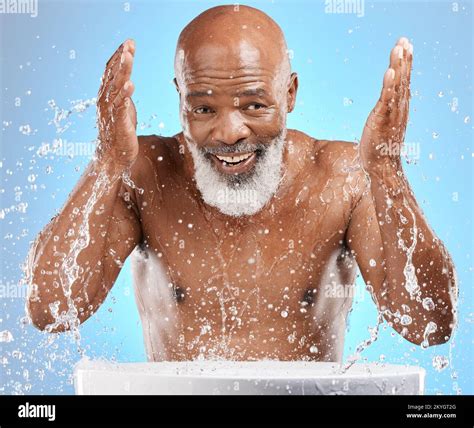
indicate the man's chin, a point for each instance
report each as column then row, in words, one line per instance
column 242, row 189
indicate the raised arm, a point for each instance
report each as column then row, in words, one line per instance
column 409, row 270
column 75, row 260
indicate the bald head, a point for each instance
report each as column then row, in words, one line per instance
column 232, row 38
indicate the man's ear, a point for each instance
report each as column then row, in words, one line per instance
column 292, row 90
column 176, row 85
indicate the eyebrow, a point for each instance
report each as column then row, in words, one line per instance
column 259, row 92
column 198, row 94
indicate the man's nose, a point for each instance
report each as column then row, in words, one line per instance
column 230, row 128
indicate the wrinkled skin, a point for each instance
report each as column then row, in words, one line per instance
column 277, row 284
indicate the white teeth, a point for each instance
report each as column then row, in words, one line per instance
column 234, row 159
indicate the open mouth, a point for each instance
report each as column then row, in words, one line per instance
column 235, row 163
column 234, row 160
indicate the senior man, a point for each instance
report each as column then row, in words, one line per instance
column 245, row 232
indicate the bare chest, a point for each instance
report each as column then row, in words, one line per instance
column 280, row 261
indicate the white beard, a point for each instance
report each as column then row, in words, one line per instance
column 239, row 196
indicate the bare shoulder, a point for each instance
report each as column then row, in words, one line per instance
column 156, row 153
column 336, row 162
column 149, row 145
column 323, row 150
column 340, row 157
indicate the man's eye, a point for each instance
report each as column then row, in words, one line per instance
column 255, row 106
column 203, row 110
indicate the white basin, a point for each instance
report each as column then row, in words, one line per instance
column 232, row 377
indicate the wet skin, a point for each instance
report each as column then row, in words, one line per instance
column 251, row 287
column 276, row 284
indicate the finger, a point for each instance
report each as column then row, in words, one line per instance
column 109, row 68
column 112, row 69
column 386, row 96
column 399, row 62
column 403, row 104
column 409, row 62
column 131, row 46
column 381, row 114
column 407, row 47
column 122, row 115
column 410, row 65
column 396, row 57
column 403, row 85
column 402, row 41
column 119, row 109
column 405, row 109
column 125, row 92
column 123, row 74
column 115, row 56
column 114, row 62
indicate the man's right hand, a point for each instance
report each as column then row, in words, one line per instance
column 116, row 114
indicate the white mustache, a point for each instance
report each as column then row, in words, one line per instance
column 240, row 147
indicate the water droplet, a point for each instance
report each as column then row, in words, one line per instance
column 435, row 135
column 313, row 349
column 372, row 263
column 405, row 319
column 17, row 354
column 467, row 119
column 347, row 102
column 454, row 104
column 26, row 130
column 284, row 314
column 440, row 362
column 428, row 303
column 6, row 336
column 431, row 327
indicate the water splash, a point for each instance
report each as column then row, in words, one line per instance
column 361, row 347
column 411, row 281
column 430, row 328
column 440, row 362
column 129, row 182
column 62, row 115
column 69, row 271
column 27, row 130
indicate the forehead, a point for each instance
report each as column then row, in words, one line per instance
column 235, row 55
column 230, row 60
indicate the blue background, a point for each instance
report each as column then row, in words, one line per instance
column 338, row 57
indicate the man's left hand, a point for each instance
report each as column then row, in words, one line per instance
column 384, row 131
